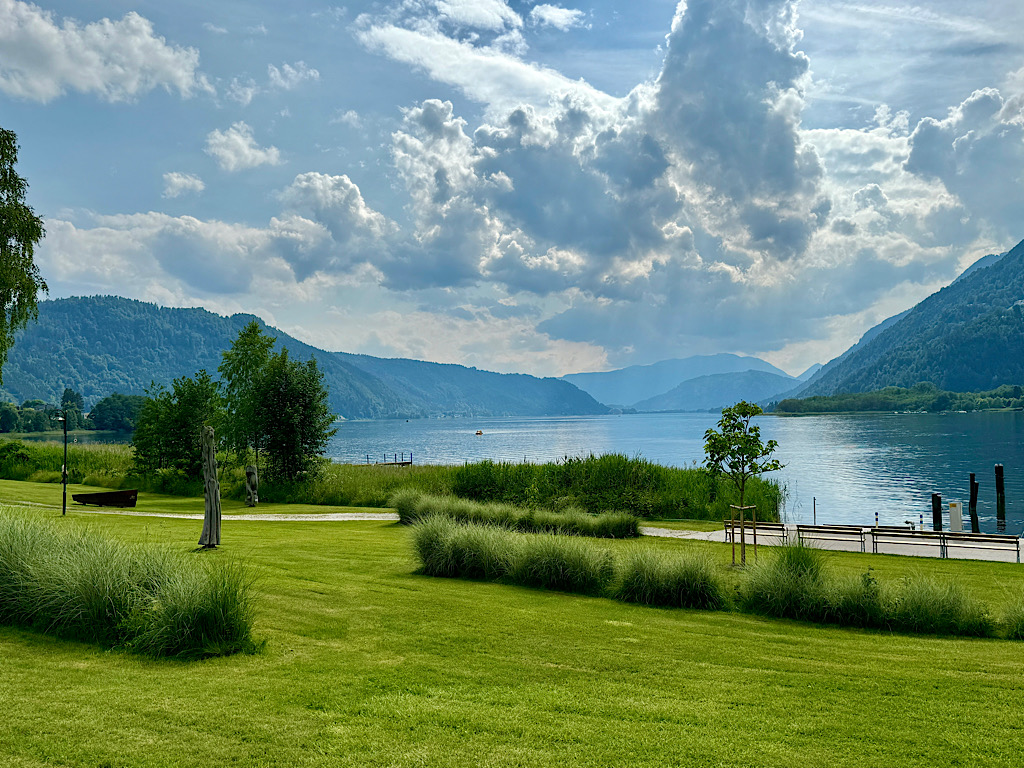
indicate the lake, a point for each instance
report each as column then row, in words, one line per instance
column 848, row 466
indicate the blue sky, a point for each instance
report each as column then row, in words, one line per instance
column 522, row 186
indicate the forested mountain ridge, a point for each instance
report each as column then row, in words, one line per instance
column 103, row 344
column 967, row 337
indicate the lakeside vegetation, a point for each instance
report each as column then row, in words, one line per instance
column 592, row 483
column 921, row 397
column 369, row 664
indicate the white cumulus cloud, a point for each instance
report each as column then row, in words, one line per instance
column 177, row 184
column 43, row 57
column 556, row 16
column 235, row 149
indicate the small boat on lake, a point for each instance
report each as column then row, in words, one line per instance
column 126, row 498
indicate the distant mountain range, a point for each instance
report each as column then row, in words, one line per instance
column 709, row 393
column 104, row 344
column 967, row 337
column 640, row 383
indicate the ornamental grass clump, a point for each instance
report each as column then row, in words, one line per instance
column 76, row 584
column 565, row 563
column 929, row 606
column 686, row 580
column 790, row 583
column 1013, row 620
column 413, row 506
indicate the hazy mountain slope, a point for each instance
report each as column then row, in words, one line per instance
column 706, row 393
column 100, row 345
column 640, row 382
column 967, row 337
column 468, row 390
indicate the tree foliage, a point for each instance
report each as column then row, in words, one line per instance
column 924, row 396
column 170, row 422
column 20, row 231
column 241, row 369
column 117, row 412
column 736, row 450
column 292, row 416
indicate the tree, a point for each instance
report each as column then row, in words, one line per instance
column 117, row 412
column 292, row 416
column 20, row 231
column 241, row 370
column 736, row 450
column 72, row 399
column 168, row 434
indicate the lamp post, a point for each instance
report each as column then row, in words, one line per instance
column 63, row 418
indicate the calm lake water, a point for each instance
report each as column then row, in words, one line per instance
column 853, row 465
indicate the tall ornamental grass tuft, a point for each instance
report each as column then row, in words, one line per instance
column 76, row 584
column 1013, row 619
column 926, row 605
column 564, row 563
column 413, row 506
column 788, row 584
column 688, row 580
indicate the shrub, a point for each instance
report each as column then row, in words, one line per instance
column 688, row 580
column 855, row 601
column 76, row 584
column 925, row 605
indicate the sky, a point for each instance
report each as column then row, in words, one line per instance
column 525, row 186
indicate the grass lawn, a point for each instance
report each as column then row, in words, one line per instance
column 369, row 664
column 49, row 495
column 682, row 525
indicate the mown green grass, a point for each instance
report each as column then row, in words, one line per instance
column 369, row 664
column 49, row 495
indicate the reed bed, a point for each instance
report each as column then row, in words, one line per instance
column 73, row 583
column 413, row 506
column 593, row 484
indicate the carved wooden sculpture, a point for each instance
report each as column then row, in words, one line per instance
column 211, row 521
column 252, row 484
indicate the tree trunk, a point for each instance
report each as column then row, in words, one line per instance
column 211, row 488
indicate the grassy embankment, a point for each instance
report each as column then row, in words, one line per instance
column 368, row 663
column 593, row 484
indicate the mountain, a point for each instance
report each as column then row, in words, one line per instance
column 103, row 344
column 711, row 393
column 810, row 372
column 969, row 336
column 640, row 382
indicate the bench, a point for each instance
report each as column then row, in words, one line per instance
column 851, row 533
column 993, row 541
column 778, row 530
column 945, row 540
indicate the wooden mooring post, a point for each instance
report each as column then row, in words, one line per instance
column 1000, row 499
column 972, row 506
column 936, row 512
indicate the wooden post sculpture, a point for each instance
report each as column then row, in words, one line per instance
column 252, row 484
column 210, row 537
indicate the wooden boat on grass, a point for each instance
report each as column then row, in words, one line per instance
column 126, row 498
